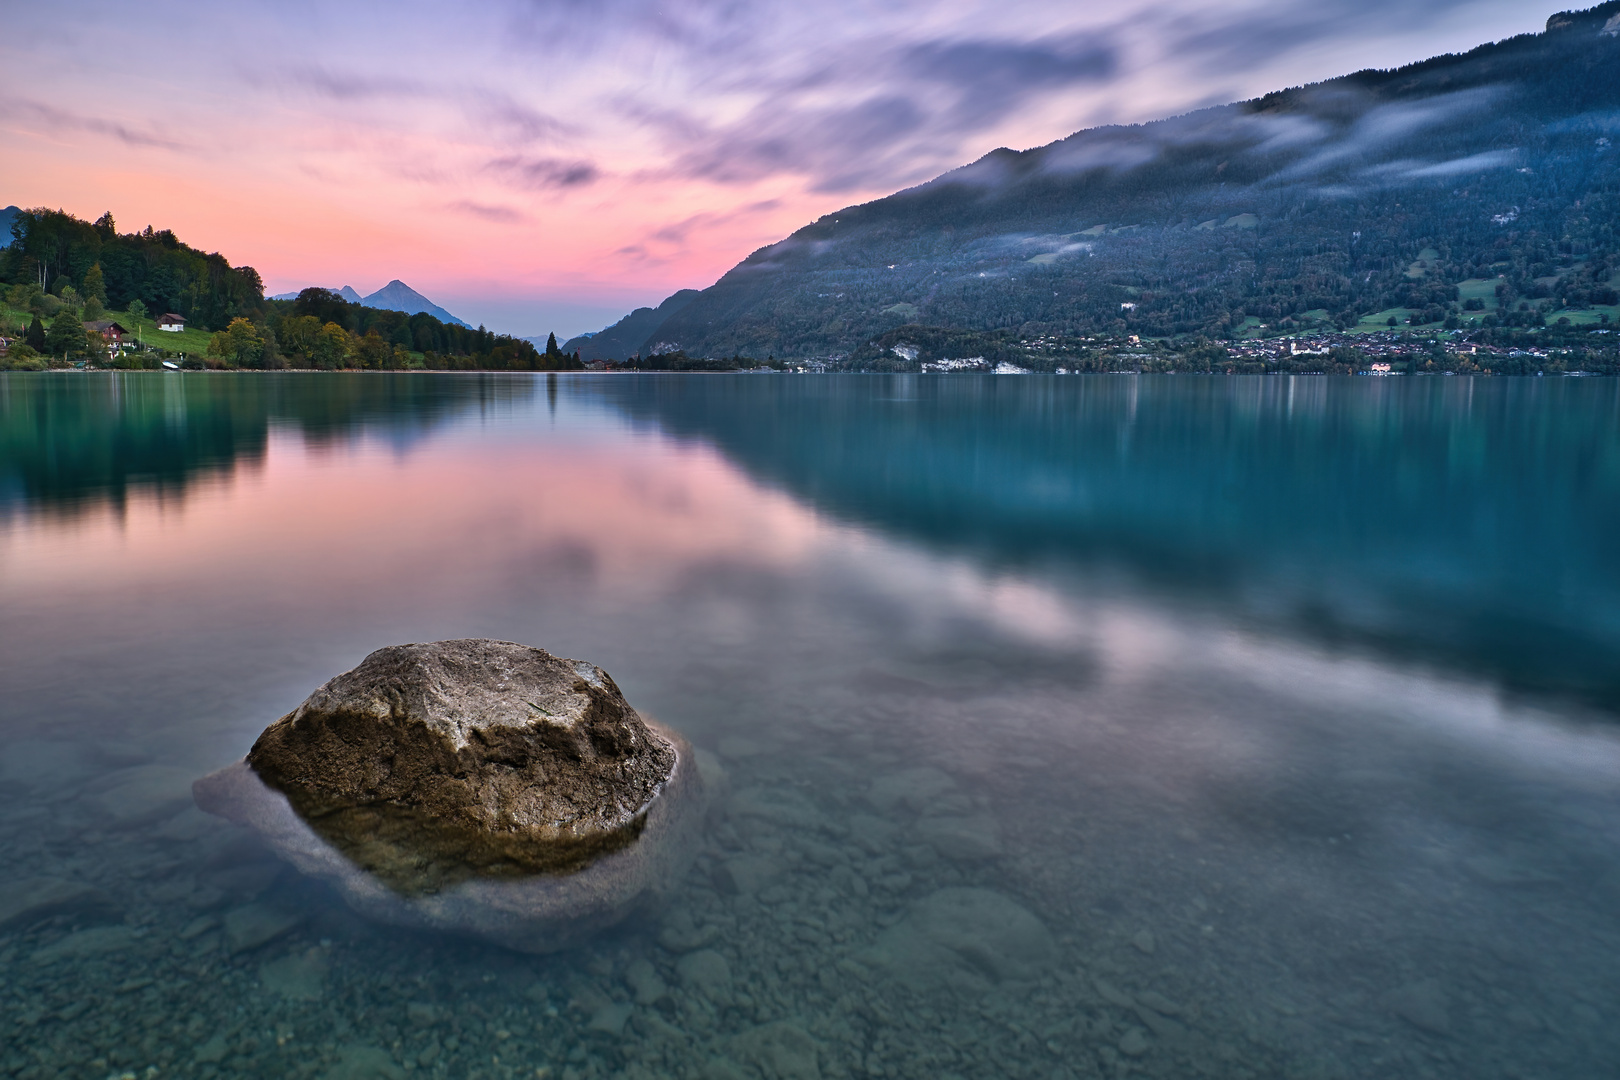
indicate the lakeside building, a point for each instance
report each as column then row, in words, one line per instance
column 111, row 332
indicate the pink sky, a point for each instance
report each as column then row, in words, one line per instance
column 542, row 166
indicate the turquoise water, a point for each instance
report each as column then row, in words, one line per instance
column 1055, row 727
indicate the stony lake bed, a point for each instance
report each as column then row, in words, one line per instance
column 977, row 806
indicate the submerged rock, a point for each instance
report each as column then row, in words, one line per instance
column 252, row 925
column 780, row 1051
column 477, row 786
column 964, row 939
column 25, row 901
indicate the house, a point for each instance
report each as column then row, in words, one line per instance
column 172, row 322
column 111, row 332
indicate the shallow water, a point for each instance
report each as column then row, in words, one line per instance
column 1069, row 727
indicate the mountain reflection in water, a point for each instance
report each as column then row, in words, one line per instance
column 1466, row 523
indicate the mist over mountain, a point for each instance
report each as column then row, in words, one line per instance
column 394, row 296
column 1310, row 207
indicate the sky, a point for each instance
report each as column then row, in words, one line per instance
column 548, row 165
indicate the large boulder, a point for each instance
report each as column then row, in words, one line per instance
column 473, row 785
column 486, row 734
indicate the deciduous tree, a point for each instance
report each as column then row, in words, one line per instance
column 331, row 348
column 239, row 345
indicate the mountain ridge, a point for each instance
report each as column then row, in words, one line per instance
column 394, row 296
column 628, row 336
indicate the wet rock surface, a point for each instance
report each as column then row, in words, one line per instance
column 480, row 736
column 473, row 786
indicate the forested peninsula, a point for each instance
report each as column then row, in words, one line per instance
column 80, row 293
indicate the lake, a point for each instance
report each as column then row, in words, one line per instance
column 1054, row 727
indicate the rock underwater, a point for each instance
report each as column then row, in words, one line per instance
column 474, row 786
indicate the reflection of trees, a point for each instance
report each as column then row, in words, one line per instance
column 1462, row 521
column 69, row 442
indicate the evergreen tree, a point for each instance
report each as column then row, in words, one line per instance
column 95, row 285
column 66, row 336
column 36, row 335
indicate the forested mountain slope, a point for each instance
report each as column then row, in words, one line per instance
column 1314, row 206
column 630, row 334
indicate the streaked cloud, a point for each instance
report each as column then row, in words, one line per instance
column 1390, row 125
column 539, row 174
column 49, row 119
column 504, row 214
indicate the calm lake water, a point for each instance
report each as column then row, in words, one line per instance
column 1060, row 727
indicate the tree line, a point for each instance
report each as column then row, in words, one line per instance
column 61, row 271
column 52, row 252
column 319, row 329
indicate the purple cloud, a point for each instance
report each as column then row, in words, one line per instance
column 539, row 174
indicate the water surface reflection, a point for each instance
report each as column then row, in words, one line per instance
column 1081, row 727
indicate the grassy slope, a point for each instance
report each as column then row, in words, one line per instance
column 191, row 342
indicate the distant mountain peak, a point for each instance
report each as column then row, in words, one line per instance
column 347, row 292
column 398, row 296
column 394, row 296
